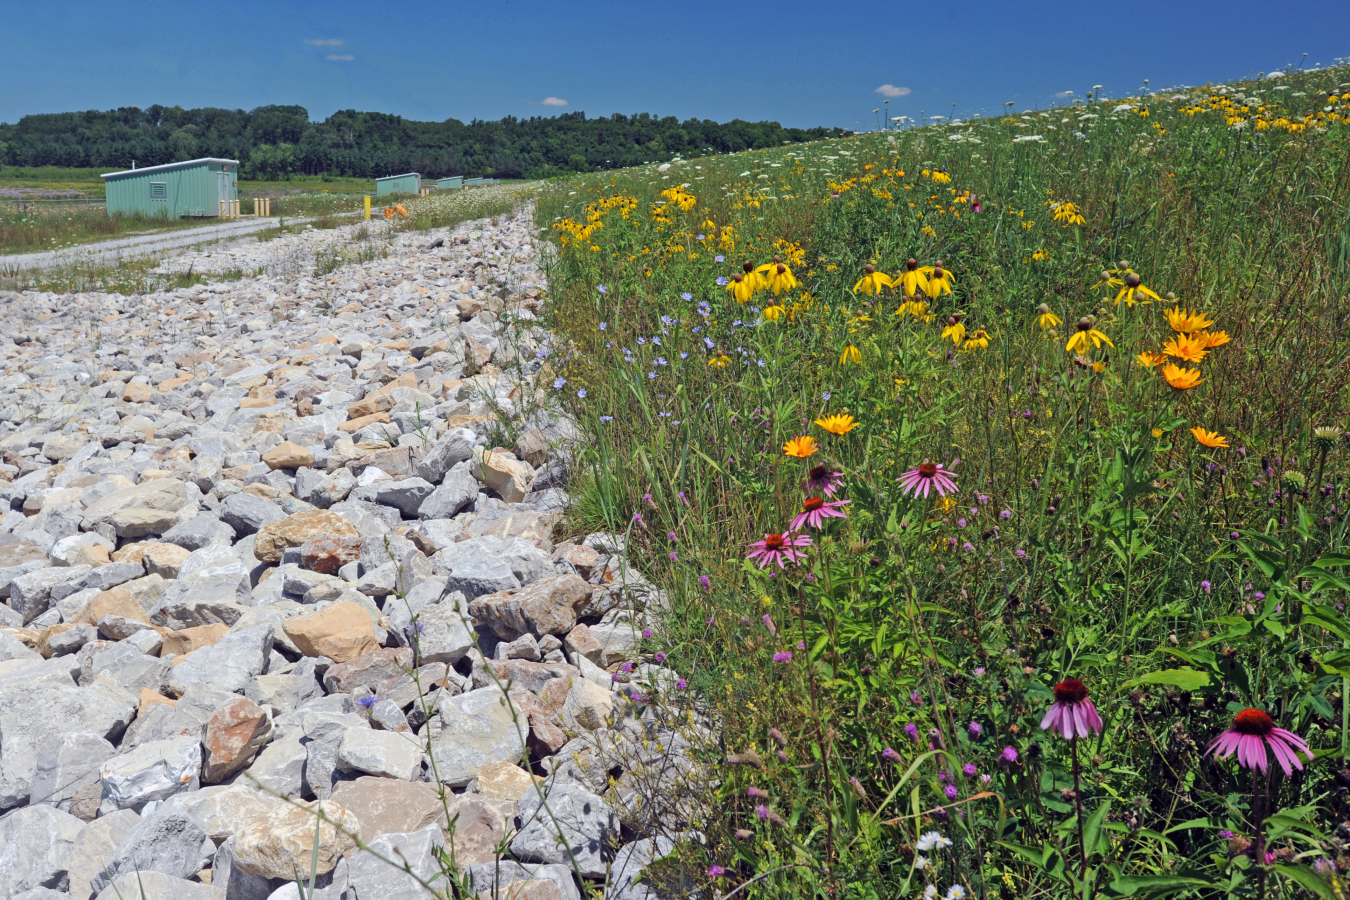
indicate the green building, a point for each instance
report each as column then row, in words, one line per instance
column 399, row 184
column 451, row 184
column 174, row 190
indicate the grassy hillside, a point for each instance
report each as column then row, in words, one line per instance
column 1135, row 375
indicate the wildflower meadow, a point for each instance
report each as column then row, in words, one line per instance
column 997, row 474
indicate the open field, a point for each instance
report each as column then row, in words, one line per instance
column 1093, row 434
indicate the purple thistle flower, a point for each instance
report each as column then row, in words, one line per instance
column 681, row 684
column 659, row 657
column 969, row 770
column 913, row 731
column 756, row 792
column 706, row 583
column 783, row 656
column 1009, row 756
column 646, row 633
column 762, row 811
column 975, row 729
column 1006, row 514
column 1206, row 586
column 716, row 871
column 951, row 791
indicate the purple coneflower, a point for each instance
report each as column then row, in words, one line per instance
column 815, row 511
column 781, row 548
column 918, row 481
column 821, row 479
column 1253, row 730
column 1072, row 714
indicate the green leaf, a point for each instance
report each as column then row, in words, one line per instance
column 1331, row 560
column 1093, row 828
column 1304, row 876
column 1156, row 885
column 1187, row 679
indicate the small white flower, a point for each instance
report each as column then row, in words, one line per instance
column 931, row 840
column 957, row 892
column 930, row 892
column 920, row 862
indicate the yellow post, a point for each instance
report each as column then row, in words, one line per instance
column 269, row 206
column 367, row 206
column 222, row 209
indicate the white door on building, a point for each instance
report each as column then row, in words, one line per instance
column 223, row 185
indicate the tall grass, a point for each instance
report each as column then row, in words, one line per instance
column 894, row 682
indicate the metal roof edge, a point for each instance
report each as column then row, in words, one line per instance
column 404, row 175
column 166, row 166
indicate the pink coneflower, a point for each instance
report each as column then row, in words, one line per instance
column 918, row 481
column 779, row 548
column 1254, row 730
column 821, row 479
column 1072, row 714
column 815, row 511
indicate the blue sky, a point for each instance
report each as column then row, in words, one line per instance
column 798, row 63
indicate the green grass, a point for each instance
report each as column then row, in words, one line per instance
column 1091, row 536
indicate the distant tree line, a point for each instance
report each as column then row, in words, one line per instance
column 273, row 142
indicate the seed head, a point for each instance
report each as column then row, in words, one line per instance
column 1326, row 436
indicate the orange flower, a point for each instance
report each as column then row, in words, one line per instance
column 801, row 447
column 1211, row 439
column 838, row 424
column 1186, row 322
column 1212, row 339
column 1185, row 348
column 1181, row 379
column 1148, row 359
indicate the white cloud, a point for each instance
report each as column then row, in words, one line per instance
column 326, row 42
column 890, row 90
column 553, row 101
column 340, row 57
column 1063, row 94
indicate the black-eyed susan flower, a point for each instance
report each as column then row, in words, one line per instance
column 1046, row 319
column 872, row 281
column 1211, row 439
column 1133, row 291
column 719, row 362
column 1181, row 379
column 1078, row 342
column 913, row 279
column 1185, row 348
column 840, row 424
column 851, row 354
column 801, row 447
column 955, row 330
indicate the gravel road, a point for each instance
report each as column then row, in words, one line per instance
column 140, row 246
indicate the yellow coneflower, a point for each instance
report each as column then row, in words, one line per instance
column 1133, row 290
column 955, row 330
column 916, row 308
column 1047, row 319
column 913, row 279
column 719, row 362
column 742, row 287
column 1186, row 322
column 978, row 340
column 1181, row 379
column 1099, row 367
column 780, row 279
column 1185, row 348
column 941, row 177
column 873, row 281
column 801, row 447
column 1084, row 333
column 939, row 280
column 850, row 355
column 1211, row 439
column 1212, row 339
column 773, row 313
column 839, row 424
column 1068, row 214
column 1148, row 359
